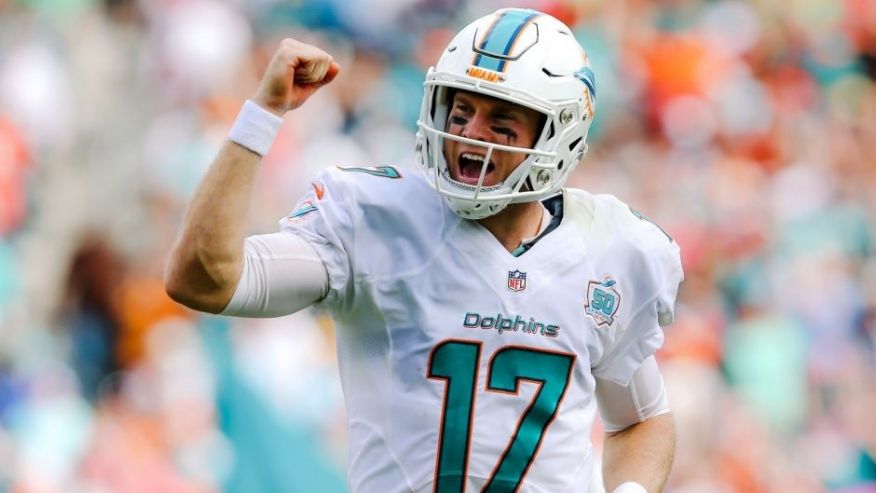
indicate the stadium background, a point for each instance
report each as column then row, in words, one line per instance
column 746, row 129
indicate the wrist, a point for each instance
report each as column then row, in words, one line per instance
column 255, row 128
column 630, row 487
column 263, row 104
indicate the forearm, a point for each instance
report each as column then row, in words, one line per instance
column 207, row 258
column 642, row 453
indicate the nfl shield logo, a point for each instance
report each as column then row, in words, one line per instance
column 516, row 280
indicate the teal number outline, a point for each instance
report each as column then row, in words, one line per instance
column 508, row 366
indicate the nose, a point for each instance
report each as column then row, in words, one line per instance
column 477, row 128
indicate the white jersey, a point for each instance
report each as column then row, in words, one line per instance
column 465, row 368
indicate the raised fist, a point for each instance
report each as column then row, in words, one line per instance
column 296, row 71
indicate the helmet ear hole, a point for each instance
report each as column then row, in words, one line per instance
column 560, row 166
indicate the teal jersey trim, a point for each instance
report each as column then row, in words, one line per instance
column 500, row 38
column 381, row 171
column 304, row 209
column 554, row 205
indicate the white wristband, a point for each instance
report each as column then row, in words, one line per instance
column 630, row 487
column 255, row 128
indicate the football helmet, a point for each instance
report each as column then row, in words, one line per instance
column 525, row 57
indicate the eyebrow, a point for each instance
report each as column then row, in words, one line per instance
column 457, row 103
column 501, row 110
column 507, row 113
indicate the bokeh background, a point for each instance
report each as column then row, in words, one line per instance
column 746, row 129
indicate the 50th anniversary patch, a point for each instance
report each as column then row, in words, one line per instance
column 602, row 301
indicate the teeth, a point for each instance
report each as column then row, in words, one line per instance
column 473, row 157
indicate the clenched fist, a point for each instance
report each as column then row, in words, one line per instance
column 296, row 71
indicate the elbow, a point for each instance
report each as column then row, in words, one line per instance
column 178, row 287
column 194, row 288
column 175, row 288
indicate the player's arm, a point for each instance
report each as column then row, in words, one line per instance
column 207, row 259
column 640, row 433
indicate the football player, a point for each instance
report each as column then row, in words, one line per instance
column 479, row 328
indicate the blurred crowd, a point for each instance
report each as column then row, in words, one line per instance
column 746, row 129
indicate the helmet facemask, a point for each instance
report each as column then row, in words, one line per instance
column 485, row 199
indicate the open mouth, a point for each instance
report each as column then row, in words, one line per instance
column 470, row 167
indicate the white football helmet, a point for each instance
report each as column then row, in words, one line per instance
column 525, row 57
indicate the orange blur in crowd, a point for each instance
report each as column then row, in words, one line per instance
column 747, row 130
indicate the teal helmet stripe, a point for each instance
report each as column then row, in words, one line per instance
column 501, row 37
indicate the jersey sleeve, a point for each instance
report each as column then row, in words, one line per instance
column 623, row 406
column 324, row 218
column 654, row 265
column 282, row 274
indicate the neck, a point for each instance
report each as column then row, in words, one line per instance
column 514, row 223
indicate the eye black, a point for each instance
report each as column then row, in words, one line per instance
column 458, row 120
